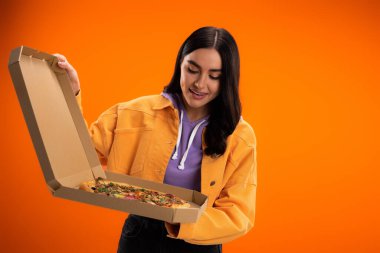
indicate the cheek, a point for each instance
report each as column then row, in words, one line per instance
column 215, row 88
column 182, row 80
column 185, row 80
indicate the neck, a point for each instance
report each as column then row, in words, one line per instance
column 194, row 114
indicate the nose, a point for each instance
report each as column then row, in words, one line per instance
column 201, row 82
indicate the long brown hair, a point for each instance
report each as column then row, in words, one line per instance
column 225, row 109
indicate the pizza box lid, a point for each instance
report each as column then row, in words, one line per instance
column 56, row 126
column 63, row 145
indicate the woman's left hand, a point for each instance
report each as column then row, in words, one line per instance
column 71, row 72
column 172, row 228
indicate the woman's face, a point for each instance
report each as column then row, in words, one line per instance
column 200, row 79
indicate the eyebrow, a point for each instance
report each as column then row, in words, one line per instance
column 197, row 65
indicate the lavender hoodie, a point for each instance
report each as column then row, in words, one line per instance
column 184, row 167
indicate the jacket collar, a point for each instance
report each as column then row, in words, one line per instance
column 162, row 102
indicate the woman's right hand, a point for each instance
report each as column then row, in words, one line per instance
column 71, row 72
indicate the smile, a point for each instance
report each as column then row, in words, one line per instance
column 197, row 93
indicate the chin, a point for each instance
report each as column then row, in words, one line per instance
column 196, row 104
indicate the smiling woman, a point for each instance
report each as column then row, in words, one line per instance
column 211, row 148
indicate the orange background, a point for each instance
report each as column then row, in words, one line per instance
column 309, row 86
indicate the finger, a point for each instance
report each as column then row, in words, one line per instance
column 66, row 66
column 60, row 57
column 175, row 223
column 63, row 64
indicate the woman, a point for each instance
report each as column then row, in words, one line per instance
column 191, row 135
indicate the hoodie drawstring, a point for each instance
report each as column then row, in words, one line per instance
column 181, row 166
column 174, row 157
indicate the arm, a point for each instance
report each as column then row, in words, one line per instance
column 102, row 130
column 233, row 212
column 102, row 133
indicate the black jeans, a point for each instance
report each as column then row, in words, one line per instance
column 141, row 234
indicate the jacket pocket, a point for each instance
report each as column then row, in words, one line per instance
column 131, row 148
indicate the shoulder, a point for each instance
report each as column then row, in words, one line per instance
column 144, row 103
column 147, row 105
column 244, row 133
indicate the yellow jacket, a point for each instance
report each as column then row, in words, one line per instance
column 138, row 137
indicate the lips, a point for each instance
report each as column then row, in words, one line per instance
column 197, row 92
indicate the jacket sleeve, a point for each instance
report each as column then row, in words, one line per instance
column 233, row 212
column 102, row 130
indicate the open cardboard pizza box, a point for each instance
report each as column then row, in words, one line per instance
column 63, row 144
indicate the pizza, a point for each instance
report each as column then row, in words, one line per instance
column 132, row 192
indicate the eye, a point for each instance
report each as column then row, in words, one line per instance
column 192, row 71
column 215, row 77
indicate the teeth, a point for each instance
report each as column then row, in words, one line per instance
column 199, row 94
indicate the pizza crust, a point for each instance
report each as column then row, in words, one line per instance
column 184, row 205
column 86, row 186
